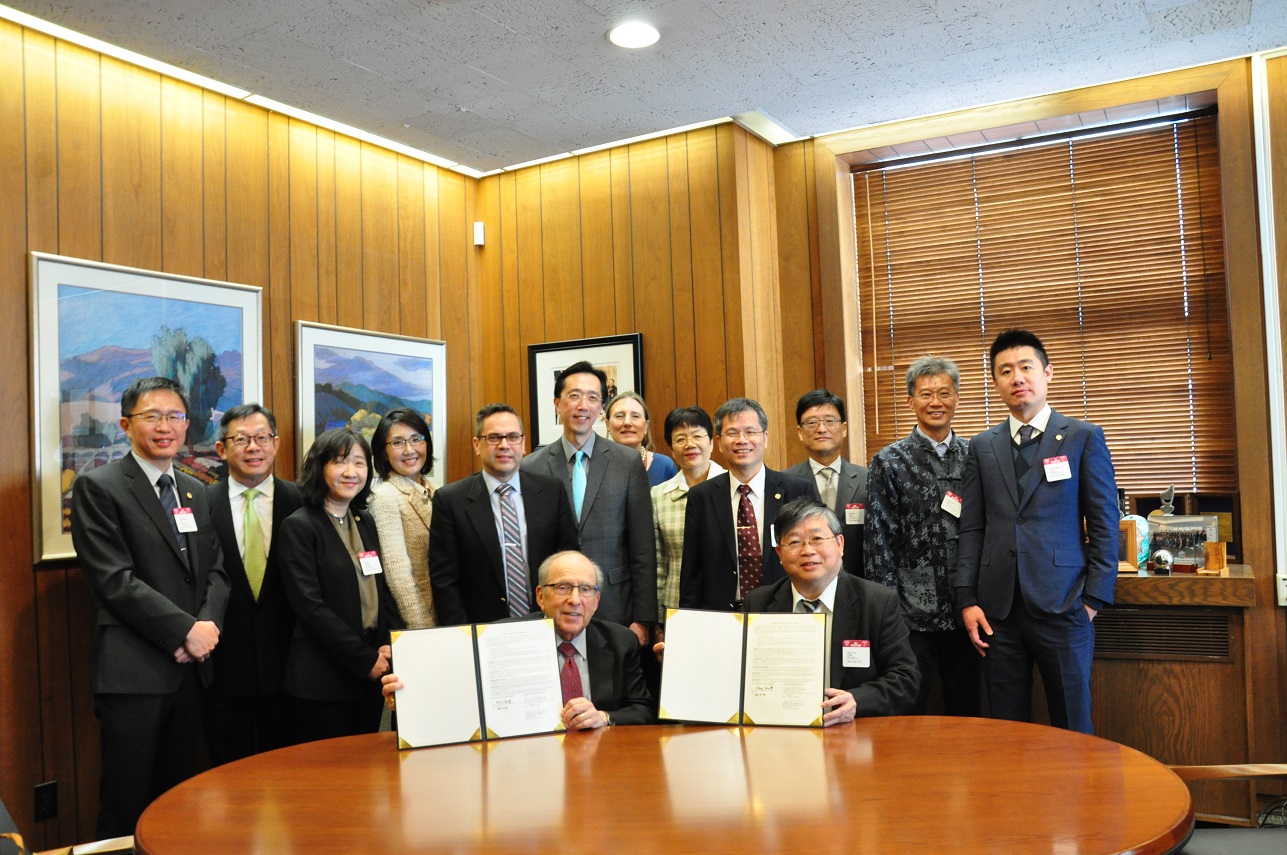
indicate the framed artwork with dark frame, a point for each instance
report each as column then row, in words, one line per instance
column 353, row 377
column 95, row 329
column 618, row 356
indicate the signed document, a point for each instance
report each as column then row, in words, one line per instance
column 729, row 668
column 519, row 675
column 440, row 702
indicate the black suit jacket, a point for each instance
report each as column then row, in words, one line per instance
column 251, row 655
column 330, row 656
column 145, row 597
column 466, row 563
column 708, row 574
column 850, row 490
column 864, row 611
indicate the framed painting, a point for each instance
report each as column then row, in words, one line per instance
column 95, row 329
column 353, row 377
column 619, row 356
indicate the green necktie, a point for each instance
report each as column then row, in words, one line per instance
column 256, row 557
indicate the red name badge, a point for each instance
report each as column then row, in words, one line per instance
column 370, row 563
column 856, row 653
column 184, row 519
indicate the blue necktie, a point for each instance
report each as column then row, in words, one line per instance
column 578, row 482
column 170, row 503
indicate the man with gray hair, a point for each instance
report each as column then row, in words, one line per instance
column 728, row 532
column 913, row 509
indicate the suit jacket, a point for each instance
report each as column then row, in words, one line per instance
column 1040, row 538
column 145, row 597
column 851, row 490
column 708, row 573
column 615, row 528
column 330, row 655
column 466, row 563
column 402, row 519
column 251, row 655
column 864, row 611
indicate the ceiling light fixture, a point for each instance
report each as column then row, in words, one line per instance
column 633, row 34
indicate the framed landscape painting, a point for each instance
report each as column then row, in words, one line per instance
column 353, row 377
column 618, row 356
column 95, row 329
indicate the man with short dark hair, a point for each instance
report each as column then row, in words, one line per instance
column 608, row 487
column 842, row 486
column 490, row 530
column 245, row 708
column 1038, row 546
column 143, row 535
column 728, row 524
column 872, row 669
column 913, row 506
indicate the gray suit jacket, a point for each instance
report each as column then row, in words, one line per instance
column 145, row 598
column 852, row 490
column 615, row 528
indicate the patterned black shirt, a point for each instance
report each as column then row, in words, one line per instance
column 909, row 540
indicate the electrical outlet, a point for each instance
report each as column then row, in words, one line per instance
column 46, row 801
column 1282, row 589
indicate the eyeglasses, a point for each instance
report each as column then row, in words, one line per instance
column 680, row 440
column 403, row 441
column 795, row 544
column 565, row 589
column 241, row 440
column 943, row 395
column 734, row 435
column 497, row 438
column 813, row 424
column 623, row 416
column 154, row 417
column 576, row 398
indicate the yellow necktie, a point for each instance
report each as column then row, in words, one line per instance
column 255, row 559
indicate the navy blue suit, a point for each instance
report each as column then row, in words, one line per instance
column 1034, row 547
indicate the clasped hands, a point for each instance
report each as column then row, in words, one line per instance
column 199, row 643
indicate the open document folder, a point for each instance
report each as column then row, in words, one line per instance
column 476, row 682
column 732, row 668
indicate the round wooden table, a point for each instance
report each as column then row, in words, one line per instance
column 898, row 785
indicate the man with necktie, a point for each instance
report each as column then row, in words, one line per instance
column 871, row 665
column 1038, row 542
column 599, row 663
column 728, row 531
column 913, row 506
column 245, row 709
column 146, row 545
column 842, row 486
column 489, row 531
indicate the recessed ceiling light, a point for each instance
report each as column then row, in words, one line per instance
column 633, row 34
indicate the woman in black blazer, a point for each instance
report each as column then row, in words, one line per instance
column 330, row 562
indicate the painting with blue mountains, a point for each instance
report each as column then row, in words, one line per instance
column 356, row 387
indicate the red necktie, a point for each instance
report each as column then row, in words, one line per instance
column 570, row 676
column 750, row 567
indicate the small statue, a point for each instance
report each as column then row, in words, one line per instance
column 1168, row 503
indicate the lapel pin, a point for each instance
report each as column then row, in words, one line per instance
column 1059, row 436
column 777, row 496
column 189, row 495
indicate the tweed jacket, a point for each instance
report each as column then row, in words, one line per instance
column 402, row 515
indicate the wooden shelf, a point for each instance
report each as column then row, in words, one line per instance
column 1188, row 589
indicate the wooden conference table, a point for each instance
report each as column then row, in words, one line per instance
column 908, row 784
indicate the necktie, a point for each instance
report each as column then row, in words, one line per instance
column 255, row 559
column 808, row 607
column 515, row 572
column 941, row 449
column 170, row 503
column 1024, row 456
column 578, row 482
column 827, row 489
column 570, row 675
column 750, row 568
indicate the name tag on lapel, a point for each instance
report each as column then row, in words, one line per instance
column 370, row 563
column 184, row 519
column 856, row 653
column 1057, row 468
column 855, row 514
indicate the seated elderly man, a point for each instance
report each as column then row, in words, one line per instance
column 598, row 660
column 876, row 676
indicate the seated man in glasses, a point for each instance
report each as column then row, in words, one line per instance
column 488, row 532
column 603, row 683
column 872, row 667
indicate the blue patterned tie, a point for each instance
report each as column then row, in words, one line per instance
column 170, row 503
column 578, row 482
column 515, row 574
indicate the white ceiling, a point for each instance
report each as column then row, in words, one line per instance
column 490, row 83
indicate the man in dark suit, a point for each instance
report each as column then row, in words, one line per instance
column 842, row 486
column 608, row 487
column 728, row 538
column 479, row 574
column 1038, row 542
column 143, row 534
column 245, row 709
column 872, row 667
column 600, row 654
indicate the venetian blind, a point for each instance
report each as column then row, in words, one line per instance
column 1108, row 247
